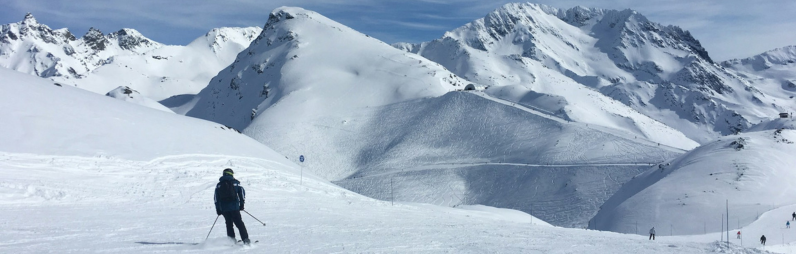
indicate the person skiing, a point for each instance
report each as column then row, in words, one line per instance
column 763, row 240
column 229, row 199
column 794, row 216
column 739, row 234
column 652, row 233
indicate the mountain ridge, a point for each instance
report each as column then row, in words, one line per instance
column 100, row 62
column 661, row 71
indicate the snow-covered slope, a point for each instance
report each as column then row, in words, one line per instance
column 100, row 62
column 779, row 123
column 364, row 114
column 450, row 150
column 753, row 171
column 772, row 59
column 89, row 205
column 41, row 117
column 127, row 94
column 85, row 173
column 661, row 71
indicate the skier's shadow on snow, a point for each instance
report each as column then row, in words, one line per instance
column 166, row 243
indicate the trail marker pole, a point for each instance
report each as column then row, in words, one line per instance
column 727, row 205
column 530, row 212
column 301, row 159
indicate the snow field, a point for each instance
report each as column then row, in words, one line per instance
column 165, row 205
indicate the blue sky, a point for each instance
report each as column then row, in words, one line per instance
column 726, row 28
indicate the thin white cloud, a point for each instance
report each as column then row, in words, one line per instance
column 414, row 25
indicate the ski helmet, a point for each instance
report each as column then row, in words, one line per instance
column 228, row 171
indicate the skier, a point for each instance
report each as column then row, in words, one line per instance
column 763, row 240
column 229, row 199
column 739, row 234
column 794, row 216
column 652, row 233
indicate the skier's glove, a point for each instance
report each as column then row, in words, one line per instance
column 241, row 207
column 218, row 212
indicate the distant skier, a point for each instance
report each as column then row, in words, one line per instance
column 739, row 234
column 794, row 216
column 229, row 198
column 763, row 240
column 652, row 233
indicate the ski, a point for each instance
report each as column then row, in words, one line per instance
column 255, row 241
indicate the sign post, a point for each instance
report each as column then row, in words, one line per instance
column 301, row 180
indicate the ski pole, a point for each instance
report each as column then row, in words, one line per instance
column 211, row 228
column 254, row 217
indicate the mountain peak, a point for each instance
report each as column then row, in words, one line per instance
column 95, row 39
column 93, row 32
column 29, row 19
column 285, row 13
column 129, row 38
column 127, row 32
column 579, row 15
column 291, row 11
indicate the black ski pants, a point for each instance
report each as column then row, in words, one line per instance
column 233, row 217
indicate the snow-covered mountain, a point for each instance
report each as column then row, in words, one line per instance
column 367, row 114
column 302, row 71
column 661, row 71
column 101, row 62
column 752, row 171
column 305, row 63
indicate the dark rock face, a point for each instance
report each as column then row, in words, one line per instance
column 70, row 36
column 129, row 40
column 12, row 36
column 95, row 39
column 579, row 16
